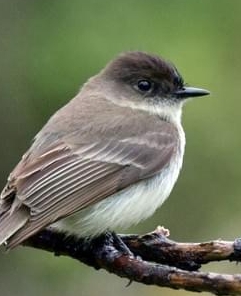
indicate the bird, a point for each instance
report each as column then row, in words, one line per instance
column 107, row 159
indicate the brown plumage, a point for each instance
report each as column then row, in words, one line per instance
column 93, row 147
column 69, row 176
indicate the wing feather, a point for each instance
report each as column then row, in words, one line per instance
column 65, row 179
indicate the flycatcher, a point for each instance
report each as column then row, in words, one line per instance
column 106, row 160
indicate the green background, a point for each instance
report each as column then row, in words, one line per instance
column 49, row 48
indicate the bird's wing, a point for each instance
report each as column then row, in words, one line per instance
column 64, row 180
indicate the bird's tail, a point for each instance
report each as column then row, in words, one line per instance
column 10, row 223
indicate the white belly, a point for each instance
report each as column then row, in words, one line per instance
column 128, row 206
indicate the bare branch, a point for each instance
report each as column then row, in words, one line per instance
column 153, row 260
column 189, row 256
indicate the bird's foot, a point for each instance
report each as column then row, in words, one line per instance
column 110, row 244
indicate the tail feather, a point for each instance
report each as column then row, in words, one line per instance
column 10, row 223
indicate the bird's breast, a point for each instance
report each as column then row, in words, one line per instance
column 129, row 206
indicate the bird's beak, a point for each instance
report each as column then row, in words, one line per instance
column 187, row 92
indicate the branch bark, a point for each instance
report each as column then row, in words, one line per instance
column 151, row 259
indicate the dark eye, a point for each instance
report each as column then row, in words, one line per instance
column 144, row 85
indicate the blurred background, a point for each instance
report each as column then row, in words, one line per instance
column 49, row 48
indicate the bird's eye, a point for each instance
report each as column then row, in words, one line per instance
column 144, row 85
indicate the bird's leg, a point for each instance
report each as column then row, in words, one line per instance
column 112, row 243
column 120, row 245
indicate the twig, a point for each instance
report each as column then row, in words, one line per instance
column 155, row 260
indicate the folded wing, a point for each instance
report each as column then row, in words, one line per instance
column 64, row 180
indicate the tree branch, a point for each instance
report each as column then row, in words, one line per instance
column 151, row 259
